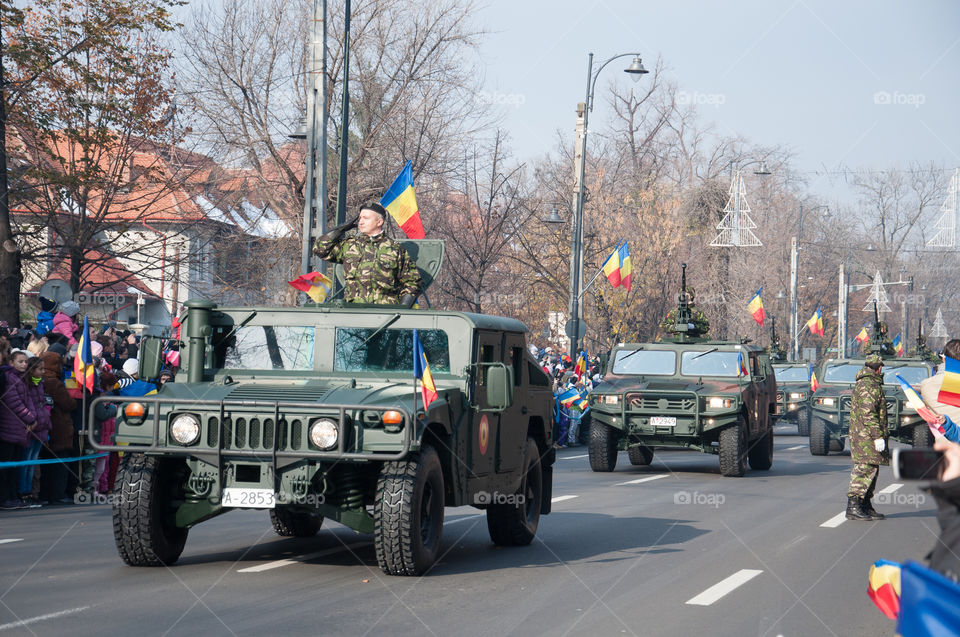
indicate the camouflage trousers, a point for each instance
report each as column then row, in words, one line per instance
column 863, row 479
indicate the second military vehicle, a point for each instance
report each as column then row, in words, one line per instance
column 793, row 395
column 686, row 392
column 314, row 412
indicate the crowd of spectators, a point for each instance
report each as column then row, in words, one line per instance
column 570, row 422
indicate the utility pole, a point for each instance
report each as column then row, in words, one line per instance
column 842, row 315
column 794, row 302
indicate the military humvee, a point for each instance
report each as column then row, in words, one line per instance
column 793, row 395
column 686, row 392
column 313, row 412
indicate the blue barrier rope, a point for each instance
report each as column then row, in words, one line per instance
column 24, row 463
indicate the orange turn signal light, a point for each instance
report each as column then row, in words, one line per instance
column 392, row 417
column 134, row 410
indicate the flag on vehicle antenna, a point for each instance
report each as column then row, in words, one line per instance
column 814, row 383
column 421, row 371
column 401, row 202
column 898, row 345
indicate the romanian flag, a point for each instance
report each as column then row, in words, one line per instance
column 742, row 365
column 618, row 267
column 863, row 336
column 316, row 285
column 929, row 602
column 915, row 401
column 581, row 367
column 581, row 402
column 755, row 307
column 421, row 371
column 815, row 324
column 569, row 396
column 401, row 202
column 83, row 363
column 814, row 383
column 883, row 587
column 950, row 389
column 898, row 345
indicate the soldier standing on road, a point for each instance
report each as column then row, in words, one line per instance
column 376, row 268
column 868, row 439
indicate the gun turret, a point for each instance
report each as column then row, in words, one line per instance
column 685, row 324
column 879, row 342
column 776, row 350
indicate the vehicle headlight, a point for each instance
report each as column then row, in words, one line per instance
column 185, row 429
column 324, row 434
column 827, row 402
column 718, row 402
column 609, row 399
column 796, row 396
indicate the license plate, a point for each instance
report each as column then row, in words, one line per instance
column 663, row 421
column 248, row 498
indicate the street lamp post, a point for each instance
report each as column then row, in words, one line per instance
column 794, row 288
column 635, row 69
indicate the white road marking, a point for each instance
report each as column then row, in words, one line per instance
column 301, row 558
column 572, row 457
column 639, row 480
column 835, row 521
column 892, row 488
column 724, row 587
column 40, row 618
column 796, row 448
column 561, row 498
column 469, row 517
column 13, row 539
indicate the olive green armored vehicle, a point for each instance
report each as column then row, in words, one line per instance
column 793, row 395
column 685, row 392
column 830, row 407
column 314, row 412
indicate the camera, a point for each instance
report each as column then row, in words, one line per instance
column 917, row 464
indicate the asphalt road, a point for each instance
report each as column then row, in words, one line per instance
column 671, row 549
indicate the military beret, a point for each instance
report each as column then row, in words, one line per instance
column 876, row 359
column 375, row 207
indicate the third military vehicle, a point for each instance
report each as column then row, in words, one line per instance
column 686, row 392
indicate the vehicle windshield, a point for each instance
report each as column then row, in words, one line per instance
column 646, row 362
column 912, row 375
column 709, row 363
column 258, row 347
column 843, row 373
column 791, row 374
column 389, row 351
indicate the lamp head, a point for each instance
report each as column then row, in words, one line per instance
column 636, row 69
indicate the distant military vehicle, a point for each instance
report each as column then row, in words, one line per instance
column 686, row 392
column 313, row 412
column 793, row 395
column 830, row 408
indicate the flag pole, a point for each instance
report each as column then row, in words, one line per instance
column 600, row 269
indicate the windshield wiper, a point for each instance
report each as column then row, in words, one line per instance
column 709, row 351
column 236, row 327
column 629, row 355
column 390, row 321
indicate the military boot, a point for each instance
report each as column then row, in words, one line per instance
column 855, row 509
column 867, row 507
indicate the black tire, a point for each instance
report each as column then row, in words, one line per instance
column 922, row 436
column 761, row 452
column 603, row 447
column 803, row 422
column 408, row 514
column 640, row 455
column 289, row 523
column 143, row 514
column 733, row 450
column 836, row 445
column 819, row 437
column 516, row 524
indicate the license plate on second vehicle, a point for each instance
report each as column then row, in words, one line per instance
column 663, row 421
column 248, row 498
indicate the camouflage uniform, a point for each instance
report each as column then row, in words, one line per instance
column 868, row 422
column 376, row 269
column 700, row 322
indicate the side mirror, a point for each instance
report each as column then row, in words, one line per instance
column 151, row 357
column 499, row 387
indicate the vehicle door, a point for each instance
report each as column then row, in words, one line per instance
column 512, row 433
column 488, row 348
column 752, row 394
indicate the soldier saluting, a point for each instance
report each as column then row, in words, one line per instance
column 376, row 268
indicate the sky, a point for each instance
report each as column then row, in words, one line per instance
column 860, row 85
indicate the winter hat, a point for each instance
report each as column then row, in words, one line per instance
column 58, row 348
column 96, row 348
column 70, row 308
column 48, row 305
column 131, row 366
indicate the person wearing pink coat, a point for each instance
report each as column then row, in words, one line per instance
column 64, row 321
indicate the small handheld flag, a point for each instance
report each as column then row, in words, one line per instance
column 581, row 365
column 401, row 202
column 883, row 587
column 568, row 396
column 83, row 369
column 898, row 345
column 863, row 336
column 915, row 401
column 755, row 307
column 316, row 285
column 421, row 372
column 950, row 389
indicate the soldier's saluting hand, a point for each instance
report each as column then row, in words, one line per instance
column 376, row 268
